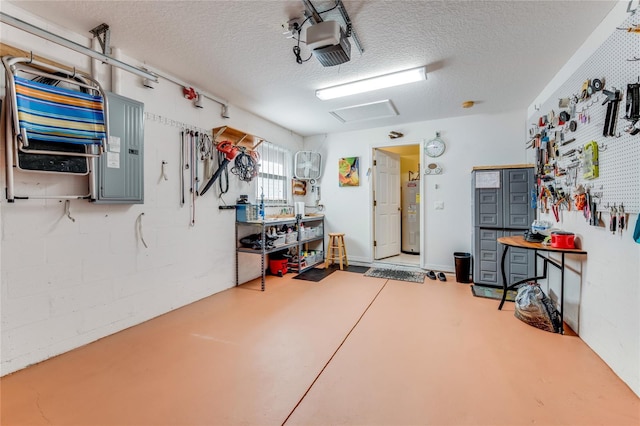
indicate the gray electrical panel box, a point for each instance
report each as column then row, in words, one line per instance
column 502, row 207
column 119, row 171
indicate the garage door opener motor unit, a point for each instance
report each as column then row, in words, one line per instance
column 329, row 43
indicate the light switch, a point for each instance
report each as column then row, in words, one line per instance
column 439, row 205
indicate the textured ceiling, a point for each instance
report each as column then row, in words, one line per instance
column 499, row 54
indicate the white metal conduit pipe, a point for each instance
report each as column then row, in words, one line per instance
column 54, row 38
column 148, row 73
column 116, row 86
column 177, row 81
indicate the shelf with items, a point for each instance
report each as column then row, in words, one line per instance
column 311, row 244
column 236, row 137
column 304, row 241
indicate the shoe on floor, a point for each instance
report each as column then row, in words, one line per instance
column 431, row 275
column 441, row 276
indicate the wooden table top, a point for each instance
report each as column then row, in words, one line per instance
column 519, row 241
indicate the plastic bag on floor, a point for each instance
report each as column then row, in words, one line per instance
column 536, row 309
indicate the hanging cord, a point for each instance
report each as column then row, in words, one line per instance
column 206, row 155
column 139, row 230
column 296, row 52
column 192, row 159
column 67, row 211
column 223, row 180
column 182, row 166
column 245, row 167
column 196, row 161
column 296, row 49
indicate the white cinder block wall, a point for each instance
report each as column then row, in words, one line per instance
column 66, row 283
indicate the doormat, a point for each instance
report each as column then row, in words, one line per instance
column 353, row 268
column 317, row 274
column 493, row 293
column 396, row 274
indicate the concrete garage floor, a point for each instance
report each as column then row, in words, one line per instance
column 349, row 350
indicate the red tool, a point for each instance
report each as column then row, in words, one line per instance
column 556, row 213
column 189, row 93
column 230, row 152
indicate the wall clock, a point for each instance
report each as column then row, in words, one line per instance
column 435, row 147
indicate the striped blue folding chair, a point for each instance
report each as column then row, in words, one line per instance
column 58, row 114
column 59, row 120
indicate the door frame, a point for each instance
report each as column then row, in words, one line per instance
column 421, row 204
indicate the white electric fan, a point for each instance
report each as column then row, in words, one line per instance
column 307, row 165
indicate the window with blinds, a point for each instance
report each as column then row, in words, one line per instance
column 274, row 174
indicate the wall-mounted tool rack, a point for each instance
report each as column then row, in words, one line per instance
column 618, row 151
column 236, row 137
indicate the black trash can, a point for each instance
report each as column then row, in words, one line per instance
column 463, row 266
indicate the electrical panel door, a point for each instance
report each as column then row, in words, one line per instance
column 120, row 172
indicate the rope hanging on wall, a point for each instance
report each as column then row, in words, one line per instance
column 246, row 166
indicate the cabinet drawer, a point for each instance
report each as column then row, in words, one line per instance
column 490, row 256
column 488, row 277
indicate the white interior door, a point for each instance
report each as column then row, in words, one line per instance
column 386, row 204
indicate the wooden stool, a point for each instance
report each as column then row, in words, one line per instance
column 337, row 250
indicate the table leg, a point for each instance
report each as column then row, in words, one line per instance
column 505, row 286
column 264, row 243
column 562, row 296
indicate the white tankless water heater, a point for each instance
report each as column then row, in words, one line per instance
column 411, row 217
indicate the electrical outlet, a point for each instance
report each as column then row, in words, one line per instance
column 291, row 27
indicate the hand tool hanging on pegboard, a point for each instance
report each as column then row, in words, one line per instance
column 612, row 101
column 632, row 108
column 613, row 220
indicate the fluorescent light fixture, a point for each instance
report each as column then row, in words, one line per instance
column 373, row 83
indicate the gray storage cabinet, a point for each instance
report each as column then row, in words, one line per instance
column 501, row 207
column 120, row 171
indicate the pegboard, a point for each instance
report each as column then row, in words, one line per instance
column 616, row 64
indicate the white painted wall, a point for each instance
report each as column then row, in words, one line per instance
column 475, row 140
column 602, row 292
column 65, row 284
